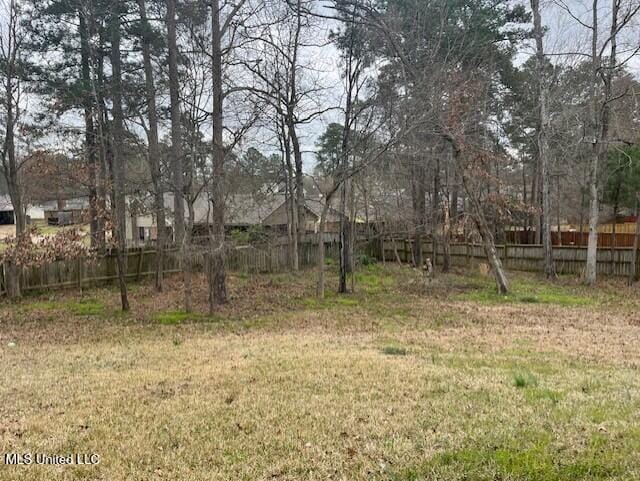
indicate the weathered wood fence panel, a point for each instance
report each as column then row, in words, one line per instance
column 525, row 257
column 140, row 262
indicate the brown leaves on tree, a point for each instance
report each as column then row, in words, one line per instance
column 31, row 249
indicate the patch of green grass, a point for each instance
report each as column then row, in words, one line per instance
column 174, row 317
column 528, row 292
column 331, row 300
column 86, row 307
column 311, row 302
column 529, row 299
column 537, row 395
column 178, row 317
column 527, row 457
column 394, row 351
column 40, row 306
column 524, row 379
column 373, row 277
column 346, row 301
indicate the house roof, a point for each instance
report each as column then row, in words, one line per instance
column 241, row 209
column 316, row 206
column 249, row 210
column 621, row 219
column 76, row 203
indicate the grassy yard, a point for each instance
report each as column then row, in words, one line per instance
column 399, row 381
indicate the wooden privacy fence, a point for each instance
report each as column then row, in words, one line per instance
column 526, row 257
column 141, row 262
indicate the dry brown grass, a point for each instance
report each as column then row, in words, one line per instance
column 397, row 381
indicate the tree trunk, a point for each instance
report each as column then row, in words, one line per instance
column 299, row 180
column 419, row 212
column 154, row 149
column 187, row 258
column 345, row 241
column 13, row 280
column 543, row 147
column 490, row 248
column 613, row 235
column 592, row 242
column 217, row 276
column 10, row 167
column 292, row 101
column 292, row 205
column 435, row 207
column 321, row 266
column 119, row 227
column 481, row 221
column 90, row 153
column 446, row 238
column 176, row 127
column 534, row 237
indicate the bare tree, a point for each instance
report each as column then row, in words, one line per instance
column 543, row 146
column 603, row 72
column 176, row 134
column 12, row 38
column 118, row 169
column 153, row 153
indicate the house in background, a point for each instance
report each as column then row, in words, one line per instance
column 7, row 214
column 278, row 218
column 62, row 212
column 243, row 211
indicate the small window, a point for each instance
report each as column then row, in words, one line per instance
column 141, row 233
